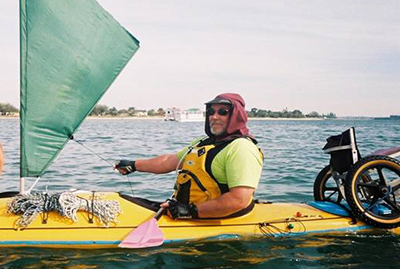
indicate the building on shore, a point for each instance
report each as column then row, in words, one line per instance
column 176, row 114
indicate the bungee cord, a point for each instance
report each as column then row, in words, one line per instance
column 271, row 230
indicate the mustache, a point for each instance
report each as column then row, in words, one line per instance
column 215, row 123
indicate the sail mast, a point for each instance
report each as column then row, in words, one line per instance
column 23, row 70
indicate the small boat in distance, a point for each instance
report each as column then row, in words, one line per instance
column 189, row 115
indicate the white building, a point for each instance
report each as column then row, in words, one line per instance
column 176, row 114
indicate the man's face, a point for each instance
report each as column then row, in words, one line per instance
column 218, row 122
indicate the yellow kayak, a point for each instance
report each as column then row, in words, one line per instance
column 265, row 220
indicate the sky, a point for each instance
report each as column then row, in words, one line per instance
column 340, row 56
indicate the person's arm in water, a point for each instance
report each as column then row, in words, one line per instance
column 157, row 165
column 1, row 159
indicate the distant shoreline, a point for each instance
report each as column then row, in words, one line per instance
column 250, row 119
column 162, row 118
column 297, row 119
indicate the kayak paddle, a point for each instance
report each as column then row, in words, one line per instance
column 147, row 234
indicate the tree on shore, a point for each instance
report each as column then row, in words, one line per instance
column 99, row 110
column 161, row 112
column 7, row 109
column 112, row 112
column 131, row 111
column 296, row 114
column 151, row 112
column 313, row 114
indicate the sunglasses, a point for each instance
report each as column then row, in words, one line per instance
column 221, row 111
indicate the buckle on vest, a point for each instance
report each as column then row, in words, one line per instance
column 201, row 151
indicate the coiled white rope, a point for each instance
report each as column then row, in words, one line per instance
column 67, row 204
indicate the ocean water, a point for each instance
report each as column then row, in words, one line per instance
column 293, row 158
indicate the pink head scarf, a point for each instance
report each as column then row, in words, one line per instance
column 238, row 117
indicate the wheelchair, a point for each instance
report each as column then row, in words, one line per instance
column 370, row 185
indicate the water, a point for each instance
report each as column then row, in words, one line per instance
column 293, row 158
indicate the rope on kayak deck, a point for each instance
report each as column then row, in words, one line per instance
column 269, row 229
column 67, row 204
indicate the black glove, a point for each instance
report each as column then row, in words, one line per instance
column 183, row 211
column 125, row 167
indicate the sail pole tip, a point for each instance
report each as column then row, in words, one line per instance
column 22, row 185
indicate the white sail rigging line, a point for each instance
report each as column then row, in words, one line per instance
column 22, row 180
column 33, row 185
column 91, row 151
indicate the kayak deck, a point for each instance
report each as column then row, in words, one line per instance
column 266, row 219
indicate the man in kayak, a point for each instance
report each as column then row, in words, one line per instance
column 219, row 173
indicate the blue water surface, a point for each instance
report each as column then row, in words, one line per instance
column 293, row 158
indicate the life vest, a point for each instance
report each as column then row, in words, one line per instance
column 195, row 182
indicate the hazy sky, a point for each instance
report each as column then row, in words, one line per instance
column 340, row 56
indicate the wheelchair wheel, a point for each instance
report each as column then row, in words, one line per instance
column 372, row 190
column 325, row 187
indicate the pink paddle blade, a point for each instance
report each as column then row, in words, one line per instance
column 145, row 235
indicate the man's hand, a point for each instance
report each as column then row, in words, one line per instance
column 180, row 210
column 125, row 167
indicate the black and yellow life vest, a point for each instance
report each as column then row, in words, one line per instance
column 195, row 182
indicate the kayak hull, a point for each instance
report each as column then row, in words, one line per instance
column 265, row 220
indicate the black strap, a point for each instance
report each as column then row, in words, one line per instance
column 91, row 209
column 219, row 146
column 195, row 178
column 148, row 204
column 209, row 158
column 213, row 141
column 241, row 212
column 45, row 209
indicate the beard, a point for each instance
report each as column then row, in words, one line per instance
column 216, row 128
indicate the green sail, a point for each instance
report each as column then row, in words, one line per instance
column 71, row 52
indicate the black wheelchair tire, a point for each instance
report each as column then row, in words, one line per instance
column 321, row 190
column 359, row 185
